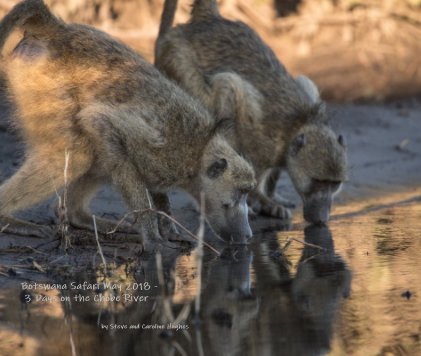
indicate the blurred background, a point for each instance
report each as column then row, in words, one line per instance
column 353, row 50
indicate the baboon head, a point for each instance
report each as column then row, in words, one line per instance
column 316, row 158
column 225, row 179
column 317, row 163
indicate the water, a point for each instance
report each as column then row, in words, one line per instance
column 356, row 295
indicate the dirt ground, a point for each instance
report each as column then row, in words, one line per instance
column 384, row 146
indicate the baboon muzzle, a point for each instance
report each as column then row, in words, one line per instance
column 317, row 211
column 237, row 228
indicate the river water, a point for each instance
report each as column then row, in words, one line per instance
column 350, row 289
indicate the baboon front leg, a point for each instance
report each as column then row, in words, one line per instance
column 138, row 199
column 79, row 195
column 166, row 227
column 269, row 188
column 34, row 182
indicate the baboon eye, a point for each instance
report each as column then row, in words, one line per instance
column 217, row 168
column 341, row 140
column 297, row 143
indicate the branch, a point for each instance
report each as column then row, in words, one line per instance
column 151, row 210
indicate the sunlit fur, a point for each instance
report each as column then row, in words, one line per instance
column 78, row 92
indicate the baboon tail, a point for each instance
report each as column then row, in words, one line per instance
column 204, row 9
column 21, row 15
column 167, row 17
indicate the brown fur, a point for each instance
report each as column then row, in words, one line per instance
column 78, row 91
column 238, row 77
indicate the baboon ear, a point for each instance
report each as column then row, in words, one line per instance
column 217, row 168
column 309, row 87
column 297, row 143
column 341, row 140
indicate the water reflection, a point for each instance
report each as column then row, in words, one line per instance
column 280, row 314
column 229, row 305
column 297, row 316
column 269, row 298
column 250, row 303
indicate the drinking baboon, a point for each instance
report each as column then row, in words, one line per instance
column 77, row 91
column 277, row 122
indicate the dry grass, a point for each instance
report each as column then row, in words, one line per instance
column 104, row 262
column 63, row 227
column 290, row 239
column 199, row 254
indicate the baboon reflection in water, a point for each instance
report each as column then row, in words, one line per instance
column 280, row 314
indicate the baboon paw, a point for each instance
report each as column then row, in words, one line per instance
column 276, row 211
column 169, row 232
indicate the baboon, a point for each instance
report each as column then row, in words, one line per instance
column 77, row 91
column 276, row 121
